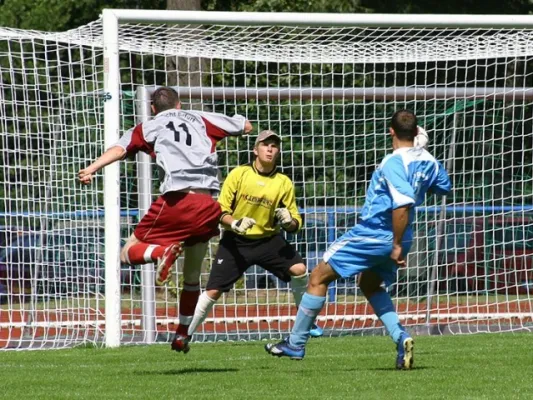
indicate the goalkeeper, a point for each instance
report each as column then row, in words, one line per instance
column 257, row 200
column 379, row 243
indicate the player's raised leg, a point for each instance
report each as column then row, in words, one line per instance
column 370, row 284
column 166, row 263
column 136, row 252
column 312, row 302
column 157, row 237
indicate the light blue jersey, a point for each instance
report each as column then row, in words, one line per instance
column 403, row 178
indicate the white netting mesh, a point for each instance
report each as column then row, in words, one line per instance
column 302, row 44
column 51, row 254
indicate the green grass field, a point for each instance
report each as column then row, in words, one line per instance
column 495, row 366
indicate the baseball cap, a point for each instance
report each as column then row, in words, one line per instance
column 266, row 134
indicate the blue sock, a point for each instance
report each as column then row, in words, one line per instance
column 309, row 308
column 384, row 309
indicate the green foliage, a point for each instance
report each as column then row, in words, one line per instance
column 46, row 15
column 58, row 15
column 449, row 7
column 61, row 15
column 375, row 6
column 336, row 6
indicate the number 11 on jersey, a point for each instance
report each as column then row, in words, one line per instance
column 183, row 128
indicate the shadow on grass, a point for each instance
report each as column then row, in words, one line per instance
column 186, row 371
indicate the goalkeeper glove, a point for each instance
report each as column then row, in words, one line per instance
column 284, row 216
column 422, row 138
column 240, row 226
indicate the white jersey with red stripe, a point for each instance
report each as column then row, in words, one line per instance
column 183, row 144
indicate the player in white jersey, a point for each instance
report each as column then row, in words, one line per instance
column 185, row 216
column 379, row 243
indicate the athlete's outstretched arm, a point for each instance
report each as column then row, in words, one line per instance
column 111, row 155
column 218, row 126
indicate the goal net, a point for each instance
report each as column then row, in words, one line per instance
column 329, row 89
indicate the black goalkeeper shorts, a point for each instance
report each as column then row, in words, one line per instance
column 236, row 254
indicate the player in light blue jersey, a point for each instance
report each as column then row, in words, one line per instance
column 379, row 243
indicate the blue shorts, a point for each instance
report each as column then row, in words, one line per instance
column 361, row 249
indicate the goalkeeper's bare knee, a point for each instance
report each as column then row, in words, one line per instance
column 213, row 294
column 298, row 270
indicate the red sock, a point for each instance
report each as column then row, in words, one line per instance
column 143, row 253
column 188, row 299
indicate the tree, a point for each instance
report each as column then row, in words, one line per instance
column 60, row 15
column 184, row 71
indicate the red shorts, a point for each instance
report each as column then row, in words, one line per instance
column 180, row 217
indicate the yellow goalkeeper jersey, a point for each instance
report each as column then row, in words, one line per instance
column 248, row 193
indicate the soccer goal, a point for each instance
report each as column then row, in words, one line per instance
column 328, row 83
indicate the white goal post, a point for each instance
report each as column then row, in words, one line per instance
column 329, row 84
